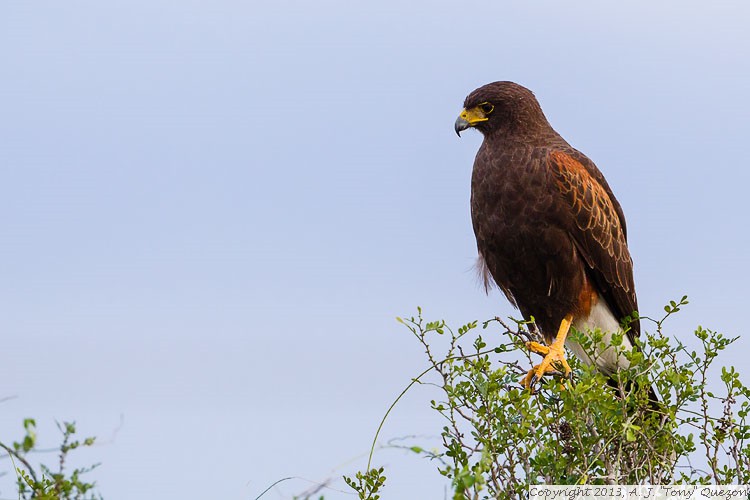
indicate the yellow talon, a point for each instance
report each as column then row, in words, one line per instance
column 554, row 356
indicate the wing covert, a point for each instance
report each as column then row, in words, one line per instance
column 597, row 226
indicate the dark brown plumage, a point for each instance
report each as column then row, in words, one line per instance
column 549, row 230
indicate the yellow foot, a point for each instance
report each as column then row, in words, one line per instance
column 538, row 348
column 553, row 363
column 554, row 357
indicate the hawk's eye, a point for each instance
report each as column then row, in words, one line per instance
column 487, row 107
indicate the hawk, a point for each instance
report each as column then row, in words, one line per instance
column 550, row 232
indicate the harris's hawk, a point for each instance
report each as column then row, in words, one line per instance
column 549, row 230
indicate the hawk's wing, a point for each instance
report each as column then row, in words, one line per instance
column 597, row 225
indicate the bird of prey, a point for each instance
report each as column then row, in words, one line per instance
column 550, row 232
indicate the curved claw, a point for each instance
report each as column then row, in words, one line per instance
column 554, row 355
column 554, row 363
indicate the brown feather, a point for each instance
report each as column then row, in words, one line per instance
column 549, row 230
column 598, row 232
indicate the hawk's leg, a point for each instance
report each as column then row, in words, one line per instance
column 554, row 356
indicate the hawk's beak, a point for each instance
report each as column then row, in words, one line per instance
column 461, row 125
column 469, row 118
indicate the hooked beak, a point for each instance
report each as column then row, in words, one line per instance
column 469, row 118
column 461, row 125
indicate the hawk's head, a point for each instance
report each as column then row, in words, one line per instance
column 501, row 106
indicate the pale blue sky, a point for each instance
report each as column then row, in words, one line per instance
column 212, row 211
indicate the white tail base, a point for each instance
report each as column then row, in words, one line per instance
column 602, row 318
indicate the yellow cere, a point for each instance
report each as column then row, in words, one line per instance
column 473, row 115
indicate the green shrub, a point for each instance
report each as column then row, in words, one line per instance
column 499, row 438
column 42, row 482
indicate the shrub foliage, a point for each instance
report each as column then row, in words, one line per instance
column 45, row 482
column 499, row 438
